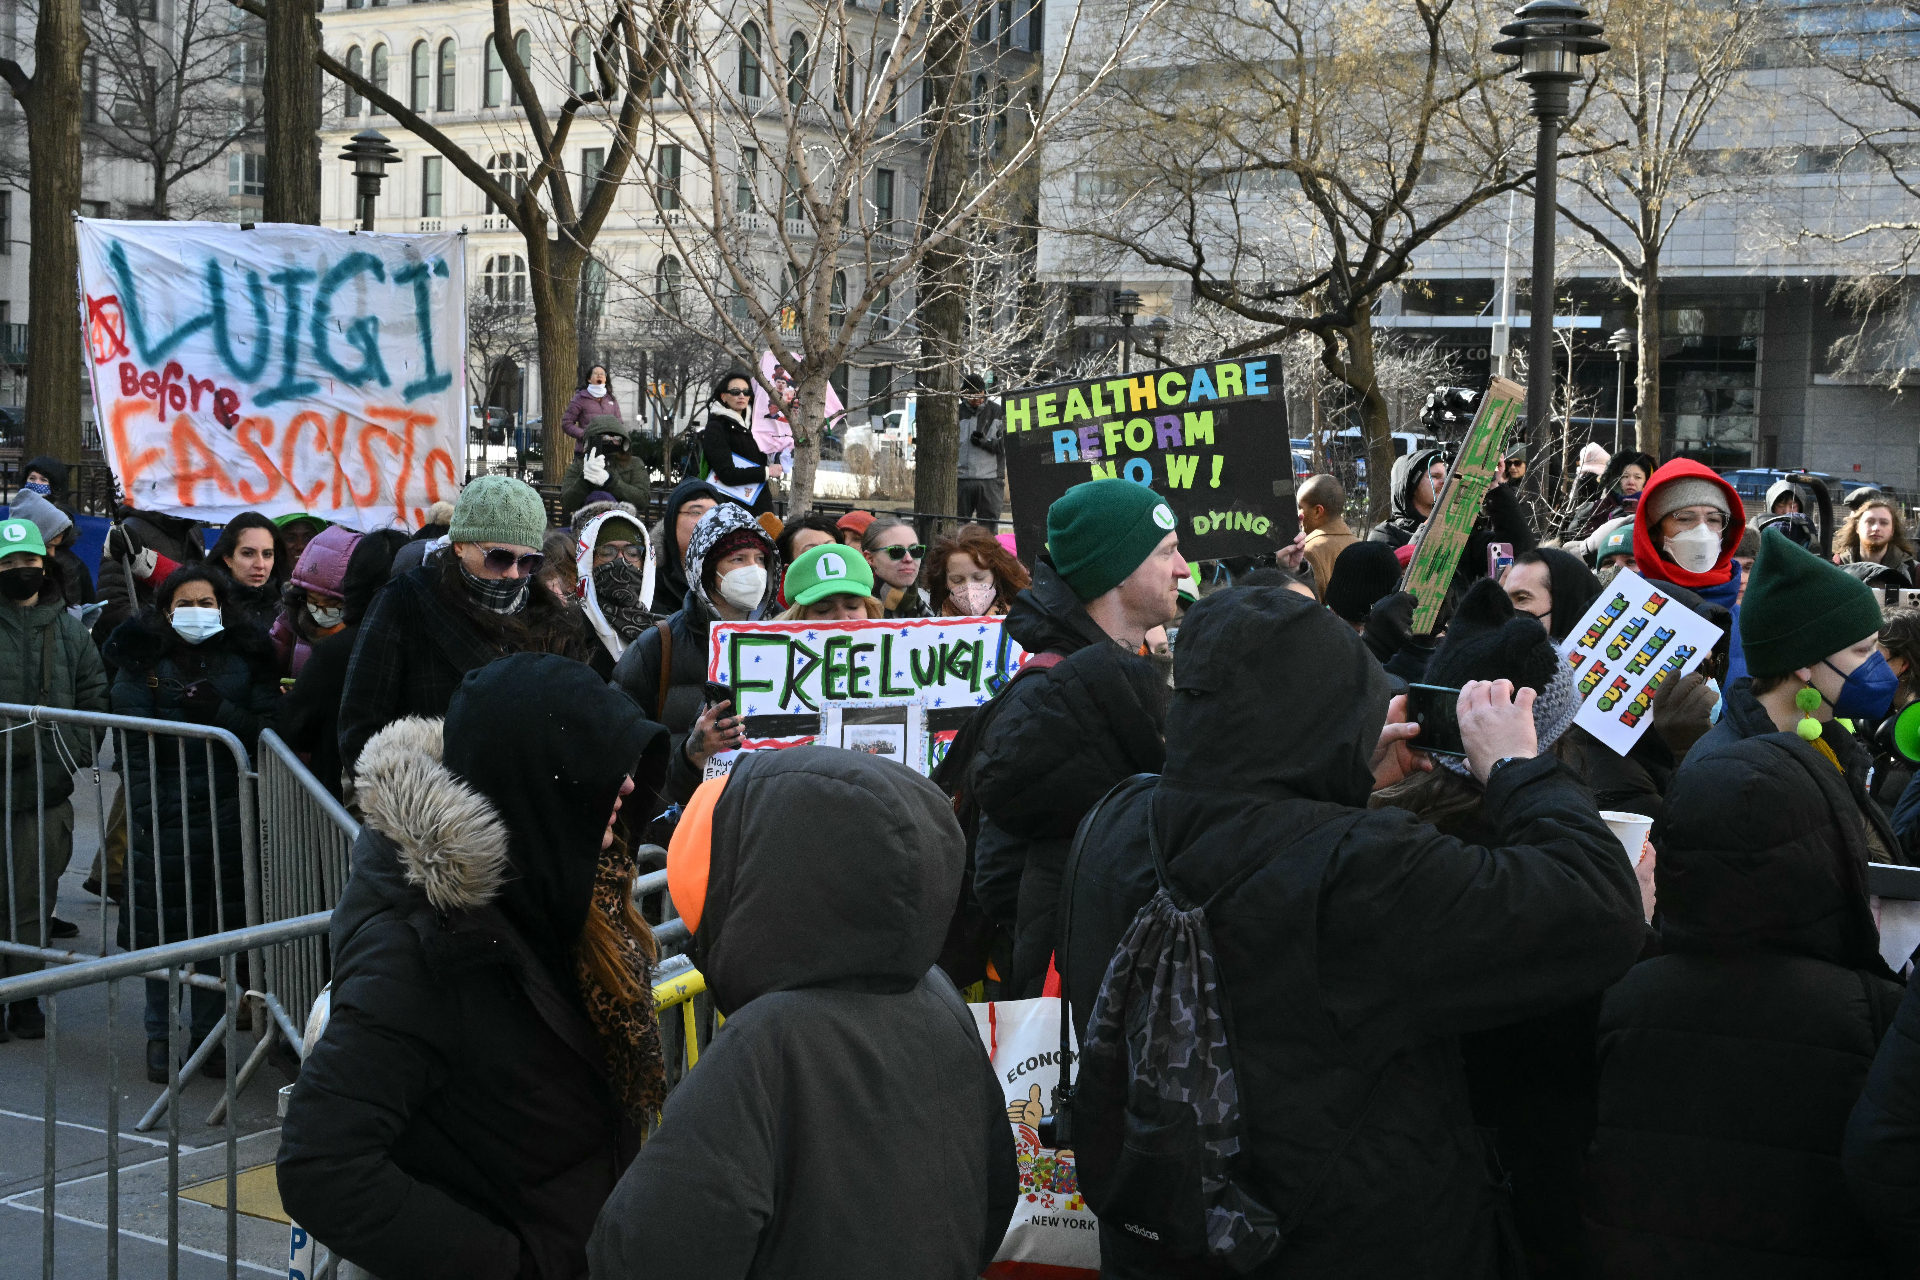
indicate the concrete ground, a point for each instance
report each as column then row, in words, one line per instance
column 152, row 1172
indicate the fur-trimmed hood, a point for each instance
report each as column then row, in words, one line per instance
column 451, row 843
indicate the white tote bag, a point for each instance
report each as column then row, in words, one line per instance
column 1053, row 1235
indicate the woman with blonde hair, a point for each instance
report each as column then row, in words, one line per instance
column 969, row 574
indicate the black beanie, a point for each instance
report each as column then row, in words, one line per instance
column 1574, row 587
column 1362, row 574
column 1488, row 639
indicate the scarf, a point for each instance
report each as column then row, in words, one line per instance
column 497, row 595
column 628, row 1034
column 619, row 586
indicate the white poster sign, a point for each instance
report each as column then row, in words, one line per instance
column 278, row 369
column 1633, row 640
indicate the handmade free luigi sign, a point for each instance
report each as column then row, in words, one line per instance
column 1211, row 439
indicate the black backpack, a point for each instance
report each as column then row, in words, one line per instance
column 1154, row 1119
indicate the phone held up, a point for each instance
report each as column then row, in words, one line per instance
column 718, row 693
column 1436, row 709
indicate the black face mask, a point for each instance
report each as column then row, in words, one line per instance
column 22, row 584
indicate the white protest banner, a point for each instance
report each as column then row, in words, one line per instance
column 899, row 689
column 1633, row 640
column 280, row 369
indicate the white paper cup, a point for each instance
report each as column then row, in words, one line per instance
column 1630, row 829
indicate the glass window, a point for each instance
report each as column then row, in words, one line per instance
column 504, row 279
column 750, row 60
column 422, row 76
column 1006, row 25
column 880, row 389
column 356, row 64
column 592, row 161
column 666, row 176
column 799, row 70
column 746, row 180
column 246, row 174
column 522, row 45
column 448, row 65
column 378, row 74
column 496, row 86
column 430, row 171
column 837, row 300
column 976, row 108
column 883, row 312
column 666, row 285
column 510, row 171
column 794, row 209
column 6, row 222
column 581, row 63
column 883, row 202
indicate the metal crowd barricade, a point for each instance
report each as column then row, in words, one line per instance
column 305, row 838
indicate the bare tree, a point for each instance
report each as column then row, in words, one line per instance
column 499, row 330
column 172, row 97
column 1676, row 66
column 1289, row 159
column 50, row 97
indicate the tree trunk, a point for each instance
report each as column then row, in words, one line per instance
column 51, row 101
column 1646, row 379
column 553, row 279
column 292, row 106
column 1357, row 372
column 159, row 208
column 807, row 415
column 942, row 277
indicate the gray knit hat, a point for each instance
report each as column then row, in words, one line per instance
column 1686, row 491
column 499, row 509
column 47, row 518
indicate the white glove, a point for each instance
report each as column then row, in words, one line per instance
column 594, row 469
column 143, row 563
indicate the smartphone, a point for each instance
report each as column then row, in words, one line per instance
column 718, row 693
column 1436, row 709
column 1499, row 557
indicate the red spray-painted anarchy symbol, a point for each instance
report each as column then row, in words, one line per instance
column 106, row 329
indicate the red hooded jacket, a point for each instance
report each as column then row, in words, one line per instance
column 1650, row 562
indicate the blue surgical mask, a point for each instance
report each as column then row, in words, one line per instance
column 1868, row 691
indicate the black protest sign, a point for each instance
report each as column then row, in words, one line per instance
column 1211, row 439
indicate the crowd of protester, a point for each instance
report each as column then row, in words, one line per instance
column 1473, row 1035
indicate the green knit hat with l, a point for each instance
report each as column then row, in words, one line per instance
column 828, row 570
column 1799, row 609
column 1099, row 532
column 499, row 509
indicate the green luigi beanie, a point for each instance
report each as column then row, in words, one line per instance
column 1799, row 609
column 499, row 509
column 20, row 535
column 1100, row 532
column 828, row 570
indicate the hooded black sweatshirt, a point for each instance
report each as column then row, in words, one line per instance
column 846, row 1122
column 670, row 587
column 1353, row 946
column 1502, row 518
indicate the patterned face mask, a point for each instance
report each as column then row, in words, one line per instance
column 617, row 585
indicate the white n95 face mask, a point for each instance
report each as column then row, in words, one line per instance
column 331, row 615
column 744, row 587
column 1695, row 549
column 194, row 624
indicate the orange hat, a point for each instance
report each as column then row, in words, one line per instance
column 690, row 854
column 855, row 522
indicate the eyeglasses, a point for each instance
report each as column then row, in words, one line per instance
column 628, row 551
column 499, row 560
column 918, row 551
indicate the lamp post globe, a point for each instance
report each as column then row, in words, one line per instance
column 1126, row 305
column 1549, row 37
column 369, row 153
column 1158, row 330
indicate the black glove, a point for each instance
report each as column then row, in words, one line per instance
column 979, row 441
column 201, row 702
column 1390, row 625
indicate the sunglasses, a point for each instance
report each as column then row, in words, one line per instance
column 499, row 560
column 742, row 391
column 918, row 551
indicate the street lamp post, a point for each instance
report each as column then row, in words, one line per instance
column 1157, row 330
column 370, row 153
column 1549, row 37
column 1620, row 343
column 1126, row 305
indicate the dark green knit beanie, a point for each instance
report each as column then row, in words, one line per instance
column 1799, row 609
column 1101, row 531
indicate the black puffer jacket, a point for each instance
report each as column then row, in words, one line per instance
column 179, row 540
column 849, row 1074
column 1882, row 1151
column 1729, row 1064
column 454, row 1119
column 153, row 668
column 1353, row 946
column 1059, row 741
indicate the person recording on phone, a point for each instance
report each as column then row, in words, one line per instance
column 1356, row 944
column 607, row 466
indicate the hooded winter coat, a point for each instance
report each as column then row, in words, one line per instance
column 1881, row 1154
column 605, row 642
column 1503, row 518
column 1353, row 946
column 849, row 1077
column 582, row 409
column 455, row 1119
column 174, row 537
column 310, row 712
column 627, row 477
column 1729, row 1063
column 1719, row 585
column 670, row 573
column 425, row 631
column 723, row 438
column 638, row 670
column 1060, row 740
column 47, row 659
column 153, row 668
column 322, row 568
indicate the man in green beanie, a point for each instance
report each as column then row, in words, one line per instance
column 468, row 604
column 1089, row 715
column 1770, row 984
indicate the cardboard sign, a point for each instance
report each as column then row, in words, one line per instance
column 282, row 369
column 1632, row 641
column 899, row 689
column 1211, row 439
column 1437, row 547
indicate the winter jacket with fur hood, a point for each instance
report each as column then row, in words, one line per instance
column 454, row 1120
column 846, row 1122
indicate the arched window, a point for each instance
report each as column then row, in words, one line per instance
column 447, row 75
column 522, row 45
column 882, row 304
column 377, row 73
column 356, row 63
column 496, row 86
column 666, row 285
column 510, row 171
column 750, row 61
column 504, row 279
column 976, row 108
column 581, row 67
column 422, row 81
column 837, row 300
column 799, row 70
